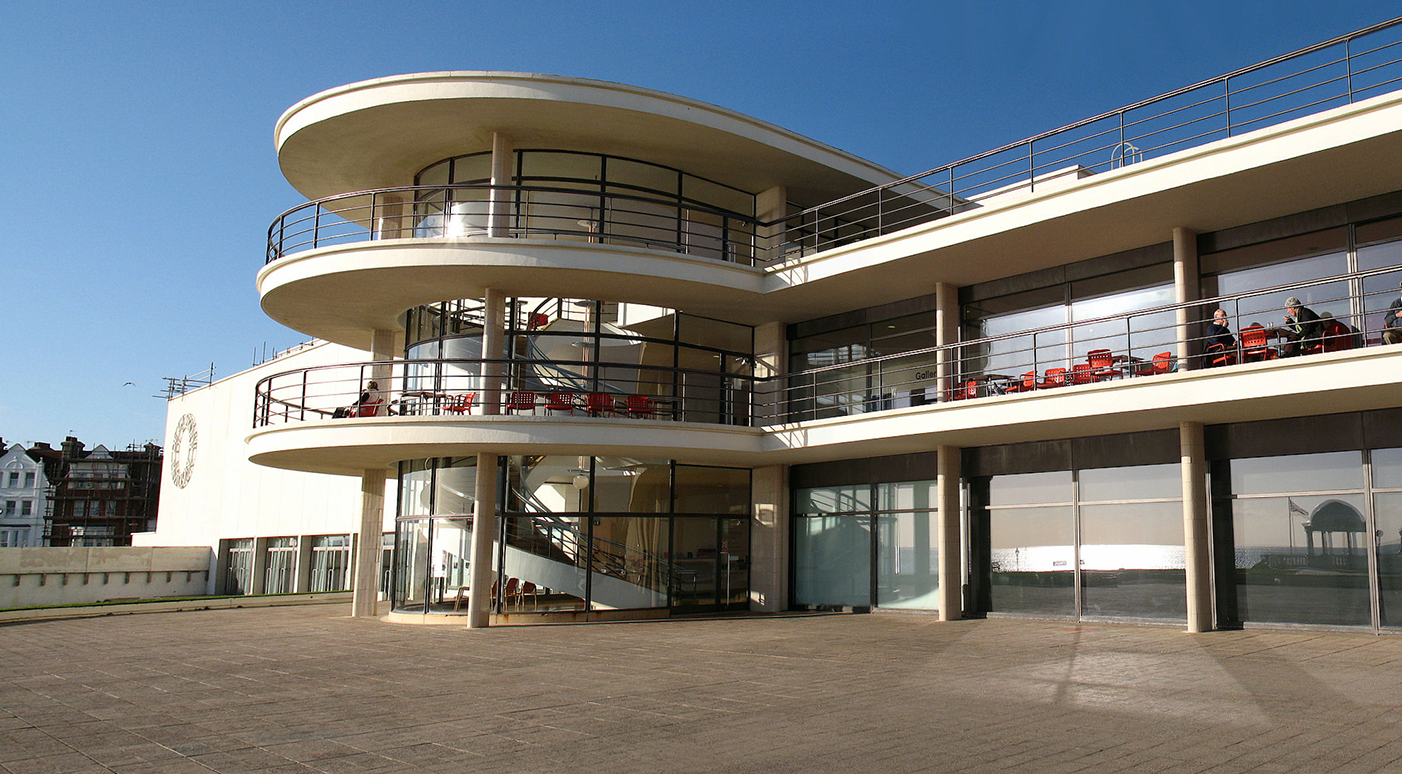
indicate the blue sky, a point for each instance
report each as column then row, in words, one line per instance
column 138, row 175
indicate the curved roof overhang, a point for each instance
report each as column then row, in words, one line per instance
column 379, row 133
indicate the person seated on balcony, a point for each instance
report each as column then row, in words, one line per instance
column 1392, row 325
column 369, row 404
column 1220, row 342
column 1303, row 329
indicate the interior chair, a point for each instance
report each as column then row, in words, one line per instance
column 460, row 404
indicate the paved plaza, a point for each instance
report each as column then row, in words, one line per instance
column 307, row 689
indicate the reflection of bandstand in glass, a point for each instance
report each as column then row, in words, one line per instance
column 1334, row 517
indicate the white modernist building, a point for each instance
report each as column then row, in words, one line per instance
column 591, row 350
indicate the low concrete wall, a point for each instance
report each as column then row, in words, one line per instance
column 210, row 603
column 31, row 577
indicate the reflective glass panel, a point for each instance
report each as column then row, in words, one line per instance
column 411, row 551
column 546, row 554
column 627, row 485
column 629, row 562
column 832, row 560
column 1032, row 558
column 1132, row 561
column 696, row 561
column 1141, row 482
column 1387, row 511
column 1331, row 471
column 1301, row 559
column 712, row 490
column 450, row 576
column 907, row 571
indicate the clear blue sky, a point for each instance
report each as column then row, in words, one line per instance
column 138, row 176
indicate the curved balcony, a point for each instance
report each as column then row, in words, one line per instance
column 463, row 211
column 458, row 389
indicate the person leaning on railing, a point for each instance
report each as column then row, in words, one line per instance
column 1392, row 326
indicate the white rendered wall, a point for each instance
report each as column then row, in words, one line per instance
column 229, row 497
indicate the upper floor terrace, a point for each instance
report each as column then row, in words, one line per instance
column 1310, row 129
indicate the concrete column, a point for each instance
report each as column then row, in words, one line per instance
column 951, row 549
column 365, row 591
column 1186, row 287
column 771, row 355
column 302, row 580
column 503, row 174
column 769, row 540
column 258, row 584
column 1196, row 535
column 946, row 332
column 484, row 532
column 771, row 204
column 389, row 216
column 493, row 346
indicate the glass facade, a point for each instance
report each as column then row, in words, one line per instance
column 593, row 197
column 867, row 545
column 580, row 534
column 586, row 357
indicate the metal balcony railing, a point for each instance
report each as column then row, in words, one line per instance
column 1136, row 344
column 523, row 212
column 1336, row 72
column 525, row 387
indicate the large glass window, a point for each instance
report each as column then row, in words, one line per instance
column 1131, row 542
column 581, row 533
column 907, row 552
column 832, row 549
column 1299, row 537
column 865, row 544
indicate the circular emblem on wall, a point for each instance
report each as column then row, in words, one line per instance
column 182, row 451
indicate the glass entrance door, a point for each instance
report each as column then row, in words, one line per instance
column 710, row 563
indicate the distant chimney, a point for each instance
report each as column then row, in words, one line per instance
column 72, row 447
column 41, row 445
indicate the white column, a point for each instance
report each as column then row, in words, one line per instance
column 503, row 174
column 493, row 346
column 1186, row 287
column 1196, row 535
column 946, row 332
column 771, row 204
column 366, row 591
column 951, row 550
column 484, row 532
column 769, row 540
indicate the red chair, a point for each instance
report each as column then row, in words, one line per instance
column 537, row 321
column 1256, row 344
column 1082, row 373
column 560, row 401
column 370, row 408
column 966, row 390
column 1056, row 377
column 639, row 406
column 597, row 404
column 1217, row 354
column 520, row 401
column 1162, row 363
column 1102, row 363
column 460, row 404
column 1337, row 335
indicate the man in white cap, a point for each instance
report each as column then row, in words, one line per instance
column 1302, row 327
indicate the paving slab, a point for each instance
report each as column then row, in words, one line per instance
column 308, row 689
